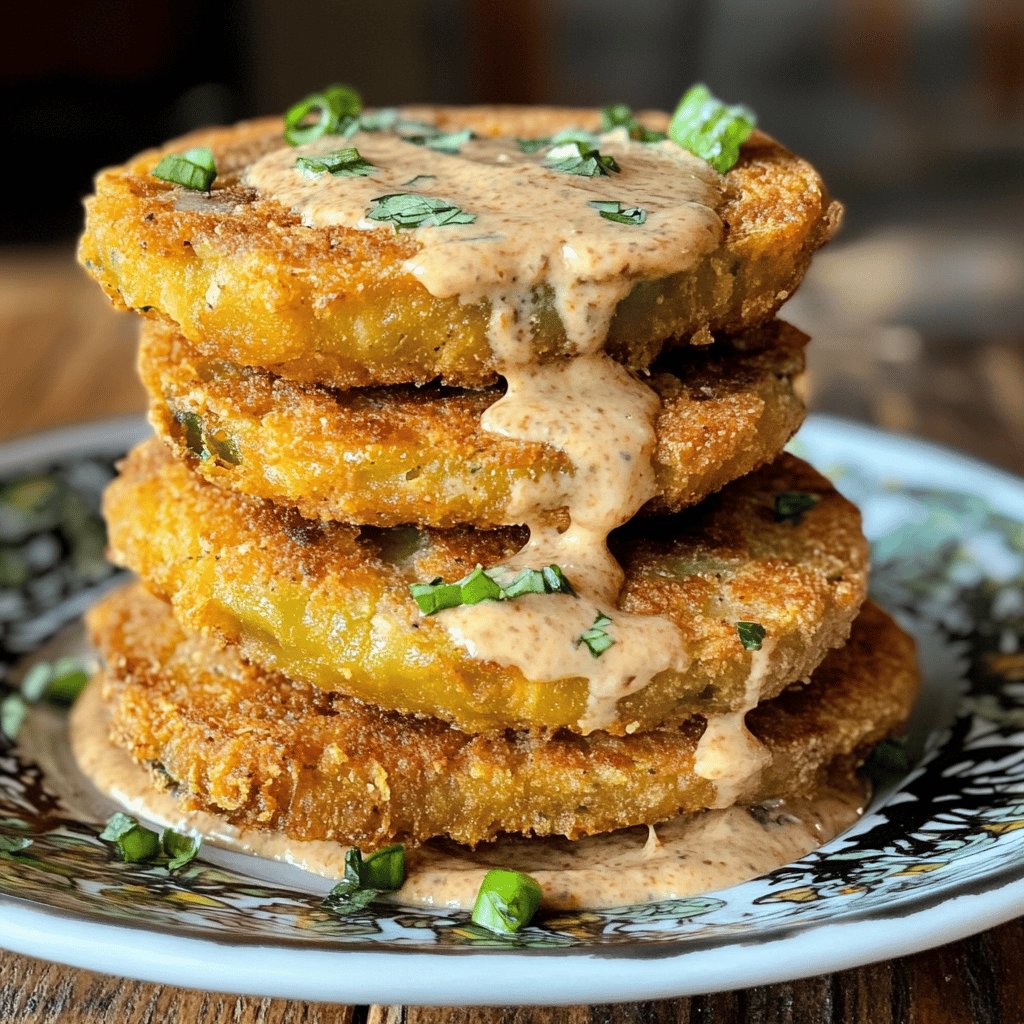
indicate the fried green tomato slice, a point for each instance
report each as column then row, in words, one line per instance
column 247, row 282
column 405, row 454
column 329, row 604
column 265, row 752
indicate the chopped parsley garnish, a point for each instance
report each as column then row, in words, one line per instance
column 790, row 506
column 578, row 158
column 342, row 163
column 507, row 901
column 478, row 586
column 443, row 142
column 751, row 635
column 194, row 169
column 365, row 879
column 708, row 128
column 620, row 116
column 567, row 135
column 333, row 111
column 615, row 211
column 408, row 210
column 137, row 844
column 595, row 638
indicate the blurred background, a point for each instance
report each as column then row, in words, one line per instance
column 912, row 109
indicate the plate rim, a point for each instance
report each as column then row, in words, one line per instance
column 649, row 970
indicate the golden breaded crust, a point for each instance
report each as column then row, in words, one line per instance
column 329, row 604
column 268, row 753
column 245, row 281
column 389, row 456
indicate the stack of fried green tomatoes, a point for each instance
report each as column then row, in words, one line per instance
column 467, row 513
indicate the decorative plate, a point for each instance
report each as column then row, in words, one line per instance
column 939, row 855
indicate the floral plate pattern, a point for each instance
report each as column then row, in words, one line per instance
column 940, row 853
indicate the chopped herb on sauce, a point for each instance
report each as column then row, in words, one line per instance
column 408, row 210
column 442, row 142
column 578, row 158
column 790, row 506
column 479, row 585
column 706, row 127
column 342, row 163
column 596, row 639
column 420, row 178
column 178, row 848
column 751, row 635
column 194, row 169
column 507, row 901
column 621, row 116
column 365, row 879
column 580, row 135
column 615, row 211
column 333, row 111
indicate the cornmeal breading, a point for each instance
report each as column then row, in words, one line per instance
column 329, row 604
column 246, row 281
column 404, row 454
column 267, row 752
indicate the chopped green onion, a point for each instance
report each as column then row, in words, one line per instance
column 380, row 120
column 596, row 639
column 334, row 111
column 615, row 211
column 577, row 158
column 13, row 711
column 14, row 844
column 138, row 845
column 751, row 635
column 385, row 869
column 708, row 128
column 409, row 210
column 60, row 681
column 790, row 506
column 620, row 116
column 479, row 586
column 365, row 879
column 342, row 163
column 507, row 901
column 180, row 849
column 135, row 843
column 419, row 178
column 195, row 169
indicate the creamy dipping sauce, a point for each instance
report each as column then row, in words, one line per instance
column 682, row 857
column 533, row 226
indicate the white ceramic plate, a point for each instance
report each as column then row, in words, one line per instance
column 939, row 856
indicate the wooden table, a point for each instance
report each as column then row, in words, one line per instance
column 67, row 357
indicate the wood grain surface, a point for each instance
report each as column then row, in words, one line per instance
column 67, row 358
